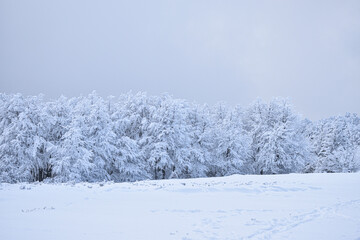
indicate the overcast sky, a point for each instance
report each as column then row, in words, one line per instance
column 206, row 51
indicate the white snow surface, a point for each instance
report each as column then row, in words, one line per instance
column 294, row 206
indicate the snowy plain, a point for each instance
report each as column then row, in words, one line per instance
column 294, row 206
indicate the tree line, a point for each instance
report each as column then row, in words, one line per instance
column 136, row 137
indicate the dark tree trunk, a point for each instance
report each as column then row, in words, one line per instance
column 163, row 173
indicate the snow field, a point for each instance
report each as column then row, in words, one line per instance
column 294, row 206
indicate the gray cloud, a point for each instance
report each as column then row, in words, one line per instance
column 206, row 51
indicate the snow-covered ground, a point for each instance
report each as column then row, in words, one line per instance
column 295, row 206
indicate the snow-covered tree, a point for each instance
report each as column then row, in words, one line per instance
column 168, row 138
column 24, row 149
column 130, row 115
column 229, row 143
column 197, row 151
column 334, row 142
column 277, row 143
column 75, row 161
